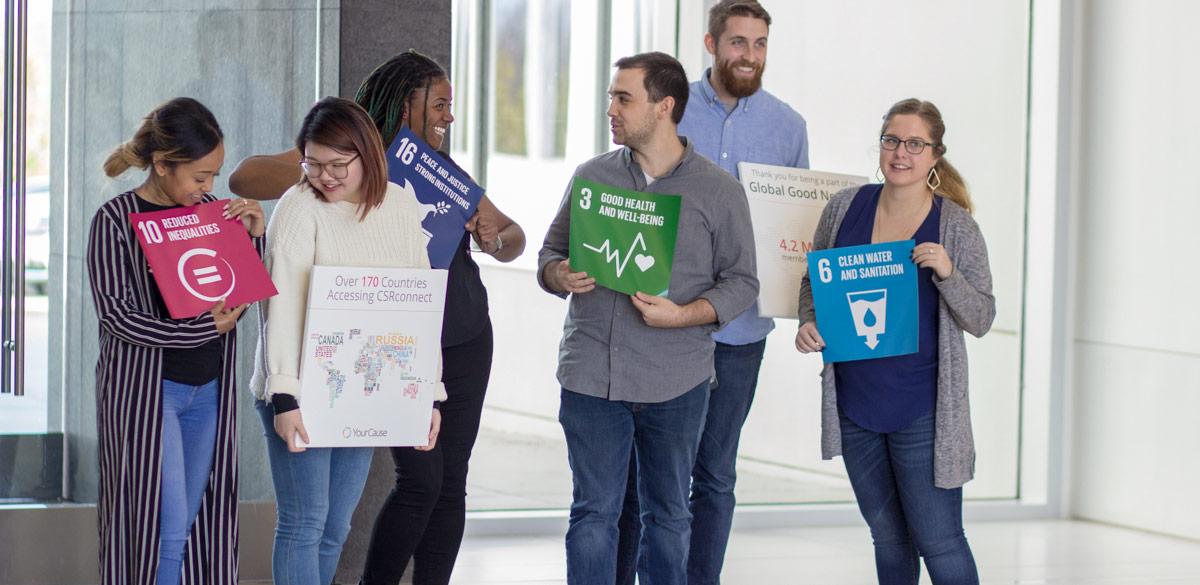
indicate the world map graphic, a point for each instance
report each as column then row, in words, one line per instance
column 370, row 363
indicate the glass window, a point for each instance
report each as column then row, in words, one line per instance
column 258, row 71
column 779, row 459
column 510, row 20
column 544, row 121
column 30, row 431
column 465, row 72
column 842, row 92
column 530, row 80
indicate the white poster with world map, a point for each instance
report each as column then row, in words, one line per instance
column 372, row 341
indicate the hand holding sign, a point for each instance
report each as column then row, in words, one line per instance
column 250, row 212
column 664, row 313
column 435, row 427
column 485, row 234
column 657, row 311
column 932, row 255
column 226, row 320
column 290, row 427
column 808, row 339
column 561, row 278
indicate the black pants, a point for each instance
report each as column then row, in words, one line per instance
column 423, row 517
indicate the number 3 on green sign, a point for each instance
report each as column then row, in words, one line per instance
column 585, row 201
column 824, row 271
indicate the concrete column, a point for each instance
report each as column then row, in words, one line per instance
column 258, row 65
column 371, row 32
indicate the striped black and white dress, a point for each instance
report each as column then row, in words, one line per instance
column 133, row 333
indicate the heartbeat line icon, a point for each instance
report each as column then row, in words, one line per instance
column 614, row 256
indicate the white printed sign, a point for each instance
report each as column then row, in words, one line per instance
column 785, row 207
column 372, row 341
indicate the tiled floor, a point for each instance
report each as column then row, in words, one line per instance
column 515, row 471
column 511, row 471
column 1043, row 553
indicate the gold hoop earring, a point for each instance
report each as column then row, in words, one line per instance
column 879, row 174
column 933, row 180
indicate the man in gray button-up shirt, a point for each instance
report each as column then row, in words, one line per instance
column 635, row 370
column 730, row 119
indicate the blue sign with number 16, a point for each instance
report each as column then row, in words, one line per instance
column 865, row 298
column 448, row 195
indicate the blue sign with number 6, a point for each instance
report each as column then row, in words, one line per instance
column 865, row 298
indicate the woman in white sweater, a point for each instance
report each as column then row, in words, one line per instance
column 343, row 212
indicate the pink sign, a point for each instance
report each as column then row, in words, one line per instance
column 198, row 258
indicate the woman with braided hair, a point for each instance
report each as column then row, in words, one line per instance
column 423, row 517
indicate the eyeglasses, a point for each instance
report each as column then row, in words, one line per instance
column 912, row 145
column 337, row 170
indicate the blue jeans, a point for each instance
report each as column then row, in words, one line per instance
column 600, row 434
column 909, row 517
column 189, row 434
column 316, row 492
column 715, row 472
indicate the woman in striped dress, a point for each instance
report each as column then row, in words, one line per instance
column 165, row 389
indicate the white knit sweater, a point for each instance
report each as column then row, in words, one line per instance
column 307, row 231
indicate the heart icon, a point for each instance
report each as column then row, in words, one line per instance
column 643, row 261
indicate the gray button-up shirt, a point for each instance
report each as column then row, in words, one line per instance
column 607, row 350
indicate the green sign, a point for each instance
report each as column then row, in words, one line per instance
column 624, row 239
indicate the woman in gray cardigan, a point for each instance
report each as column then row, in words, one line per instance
column 902, row 424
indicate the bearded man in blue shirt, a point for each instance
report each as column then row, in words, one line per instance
column 729, row 119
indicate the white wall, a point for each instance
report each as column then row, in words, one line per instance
column 841, row 66
column 1137, row 367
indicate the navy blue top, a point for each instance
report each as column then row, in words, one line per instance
column 466, row 311
column 887, row 394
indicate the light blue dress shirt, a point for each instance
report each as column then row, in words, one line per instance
column 759, row 129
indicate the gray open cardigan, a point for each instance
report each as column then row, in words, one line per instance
column 966, row 303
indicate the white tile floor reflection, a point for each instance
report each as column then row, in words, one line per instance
column 1027, row 553
column 542, row 479
column 27, row 414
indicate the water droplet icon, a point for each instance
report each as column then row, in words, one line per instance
column 869, row 318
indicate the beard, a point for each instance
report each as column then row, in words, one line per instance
column 736, row 86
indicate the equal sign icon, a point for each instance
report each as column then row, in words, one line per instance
column 202, row 275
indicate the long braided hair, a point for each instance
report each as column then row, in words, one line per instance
column 385, row 93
